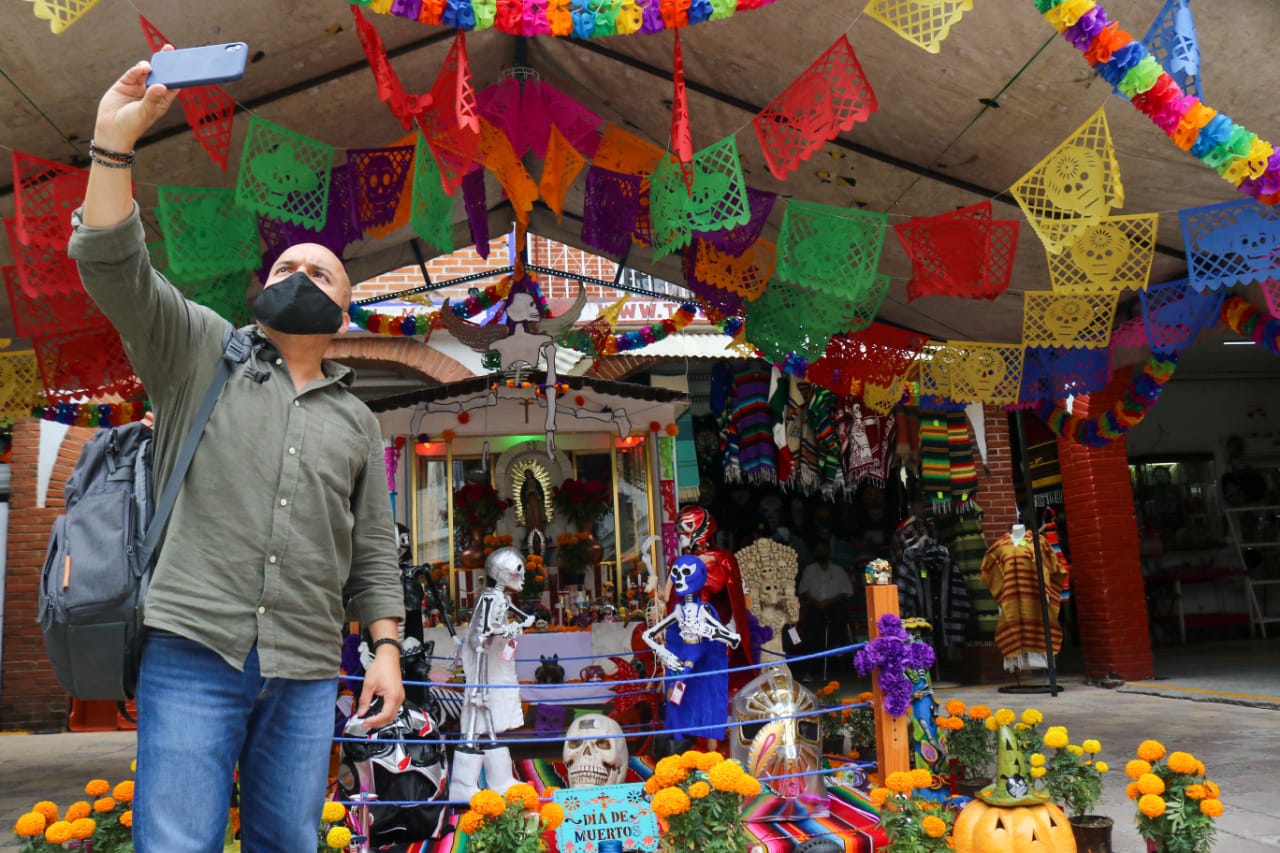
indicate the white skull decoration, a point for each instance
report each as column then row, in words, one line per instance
column 1101, row 252
column 505, row 568
column 1075, row 180
column 595, row 752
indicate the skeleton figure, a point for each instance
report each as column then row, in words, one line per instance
column 488, row 658
column 595, row 752
column 529, row 341
column 695, row 707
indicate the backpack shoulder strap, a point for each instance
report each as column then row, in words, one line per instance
column 236, row 349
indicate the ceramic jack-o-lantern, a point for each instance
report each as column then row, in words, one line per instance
column 1007, row 816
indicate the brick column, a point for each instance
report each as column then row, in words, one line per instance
column 996, row 493
column 30, row 696
column 1106, row 565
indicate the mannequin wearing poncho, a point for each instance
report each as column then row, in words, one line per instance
column 1009, row 571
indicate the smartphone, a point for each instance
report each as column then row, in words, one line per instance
column 199, row 66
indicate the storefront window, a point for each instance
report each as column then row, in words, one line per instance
column 431, row 533
column 633, row 502
column 598, row 468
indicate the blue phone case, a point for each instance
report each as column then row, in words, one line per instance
column 199, row 66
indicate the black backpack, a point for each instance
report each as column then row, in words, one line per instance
column 99, row 561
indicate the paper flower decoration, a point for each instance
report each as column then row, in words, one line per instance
column 1115, row 253
column 1074, row 187
column 1079, row 319
column 890, row 655
column 959, row 253
column 925, row 23
column 1236, row 242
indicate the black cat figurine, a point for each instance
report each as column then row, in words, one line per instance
column 549, row 671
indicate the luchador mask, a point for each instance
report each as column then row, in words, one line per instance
column 688, row 575
column 696, row 528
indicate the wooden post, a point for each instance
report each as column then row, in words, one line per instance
column 893, row 748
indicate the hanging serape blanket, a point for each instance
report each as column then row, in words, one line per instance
column 962, row 534
column 866, row 444
column 948, row 472
column 1049, row 533
column 780, row 385
column 806, row 478
column 825, row 442
column 752, row 423
column 721, row 400
column 794, row 421
column 1042, row 456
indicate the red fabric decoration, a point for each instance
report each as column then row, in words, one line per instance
column 391, row 91
column 42, row 270
column 830, row 96
column 960, row 253
column 878, row 354
column 681, row 135
column 47, row 193
column 209, row 110
column 451, row 122
column 48, row 313
column 85, row 363
column 464, row 417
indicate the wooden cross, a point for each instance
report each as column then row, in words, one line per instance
column 526, row 404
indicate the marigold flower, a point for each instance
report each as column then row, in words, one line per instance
column 1101, row 766
column 1004, row 717
column 899, row 782
column 1136, row 768
column 1032, row 717
column 1151, row 750
column 670, row 801
column 1131, row 791
column 690, row 758
column 1200, row 769
column 1151, row 805
column 725, row 776
column 864, row 696
column 30, row 825
column 979, row 712
column 59, row 832
column 338, row 837
column 523, row 793
column 83, row 828
column 1212, row 789
column 97, row 787
column 921, row 778
column 488, row 803
column 1037, row 760
column 956, row 724
column 1092, row 746
column 333, row 812
column 1182, row 762
column 879, row 795
column 77, row 810
column 103, row 805
column 1038, row 772
column 749, row 786
column 956, row 708
column 46, row 809
column 830, row 687
column 933, row 826
column 1211, row 807
column 670, row 771
column 126, row 817
column 1150, row 783
column 549, row 791
column 1021, row 727
column 470, row 822
column 1195, row 792
column 707, row 760
column 1075, row 749
column 698, row 790
column 1056, row 737
column 124, row 791
column 991, row 724
column 552, row 815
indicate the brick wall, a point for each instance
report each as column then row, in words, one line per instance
column 996, row 493
column 1106, row 566
column 30, row 697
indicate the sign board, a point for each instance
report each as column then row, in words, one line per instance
column 597, row 813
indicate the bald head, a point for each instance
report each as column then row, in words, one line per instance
column 320, row 264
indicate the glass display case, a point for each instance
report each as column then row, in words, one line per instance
column 1177, row 503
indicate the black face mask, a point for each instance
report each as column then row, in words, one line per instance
column 297, row 306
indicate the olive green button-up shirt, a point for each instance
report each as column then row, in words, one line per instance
column 285, row 505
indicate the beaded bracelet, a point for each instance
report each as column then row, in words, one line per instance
column 110, row 158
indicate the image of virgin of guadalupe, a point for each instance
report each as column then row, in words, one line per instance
column 533, row 508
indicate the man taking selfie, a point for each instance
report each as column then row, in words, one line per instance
column 283, row 514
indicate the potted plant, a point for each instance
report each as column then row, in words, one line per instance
column 575, row 552
column 1176, row 804
column 911, row 825
column 1073, row 779
column 509, row 824
column 476, row 511
column 698, row 798
column 969, row 743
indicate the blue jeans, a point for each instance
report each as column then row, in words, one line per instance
column 197, row 719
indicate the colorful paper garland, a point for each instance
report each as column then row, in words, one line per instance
column 1126, row 414
column 1250, row 163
